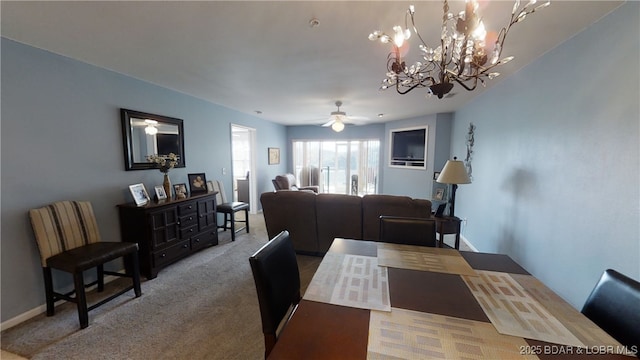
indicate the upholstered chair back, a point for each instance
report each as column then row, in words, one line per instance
column 63, row 226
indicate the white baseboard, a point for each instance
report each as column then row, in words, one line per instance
column 42, row 309
column 23, row 317
column 464, row 239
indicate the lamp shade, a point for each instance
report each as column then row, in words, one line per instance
column 454, row 172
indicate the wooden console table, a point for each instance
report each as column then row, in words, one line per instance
column 169, row 230
column 446, row 225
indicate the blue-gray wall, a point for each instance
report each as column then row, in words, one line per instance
column 556, row 163
column 61, row 139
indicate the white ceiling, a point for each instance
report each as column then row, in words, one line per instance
column 264, row 56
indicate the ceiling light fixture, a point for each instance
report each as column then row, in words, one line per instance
column 337, row 118
column 462, row 55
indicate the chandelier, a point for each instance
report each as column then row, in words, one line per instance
column 462, row 55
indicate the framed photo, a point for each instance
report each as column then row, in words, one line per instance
column 439, row 194
column 139, row 193
column 274, row 156
column 180, row 190
column 435, row 175
column 209, row 186
column 197, row 183
column 160, row 193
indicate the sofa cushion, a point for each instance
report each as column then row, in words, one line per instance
column 294, row 211
column 373, row 206
column 338, row 215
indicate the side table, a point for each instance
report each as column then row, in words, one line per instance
column 446, row 225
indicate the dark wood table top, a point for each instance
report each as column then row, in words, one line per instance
column 320, row 330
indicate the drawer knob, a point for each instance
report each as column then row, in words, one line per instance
column 163, row 255
column 185, row 246
column 190, row 230
column 197, row 240
column 190, row 217
column 190, row 207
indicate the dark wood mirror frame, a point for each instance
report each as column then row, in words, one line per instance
column 133, row 136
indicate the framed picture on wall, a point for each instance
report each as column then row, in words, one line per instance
column 197, row 183
column 274, row 156
column 139, row 193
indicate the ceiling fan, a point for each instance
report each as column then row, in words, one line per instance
column 338, row 119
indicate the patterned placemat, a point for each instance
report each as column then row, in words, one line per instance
column 514, row 312
column 406, row 334
column 350, row 280
column 423, row 258
column 579, row 325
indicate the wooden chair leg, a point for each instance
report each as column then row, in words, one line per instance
column 233, row 225
column 246, row 218
column 81, row 298
column 100, row 269
column 48, row 290
column 131, row 264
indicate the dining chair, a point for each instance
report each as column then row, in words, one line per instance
column 408, row 231
column 68, row 240
column 229, row 210
column 277, row 279
column 614, row 305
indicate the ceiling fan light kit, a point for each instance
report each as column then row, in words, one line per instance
column 462, row 55
column 337, row 118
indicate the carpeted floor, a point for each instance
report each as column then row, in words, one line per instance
column 202, row 307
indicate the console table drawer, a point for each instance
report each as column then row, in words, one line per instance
column 171, row 253
column 188, row 232
column 189, row 208
column 188, row 220
column 204, row 239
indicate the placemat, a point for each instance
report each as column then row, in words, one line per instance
column 513, row 312
column 579, row 325
column 423, row 258
column 350, row 280
column 406, row 334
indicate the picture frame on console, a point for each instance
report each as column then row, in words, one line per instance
column 139, row 193
column 209, row 186
column 197, row 183
column 439, row 195
column 180, row 190
column 160, row 193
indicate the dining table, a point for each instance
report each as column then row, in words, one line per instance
column 375, row 300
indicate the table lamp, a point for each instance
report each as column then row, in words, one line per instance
column 453, row 173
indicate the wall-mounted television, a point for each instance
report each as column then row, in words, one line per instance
column 408, row 147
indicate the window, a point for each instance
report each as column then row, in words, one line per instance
column 340, row 167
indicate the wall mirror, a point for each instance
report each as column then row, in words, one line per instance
column 146, row 134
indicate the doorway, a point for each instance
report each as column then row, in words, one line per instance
column 243, row 143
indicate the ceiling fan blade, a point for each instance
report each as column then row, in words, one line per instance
column 328, row 123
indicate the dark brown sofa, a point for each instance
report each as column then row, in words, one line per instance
column 314, row 220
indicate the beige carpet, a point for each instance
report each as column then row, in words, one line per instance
column 202, row 307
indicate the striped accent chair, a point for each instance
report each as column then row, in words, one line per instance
column 68, row 240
